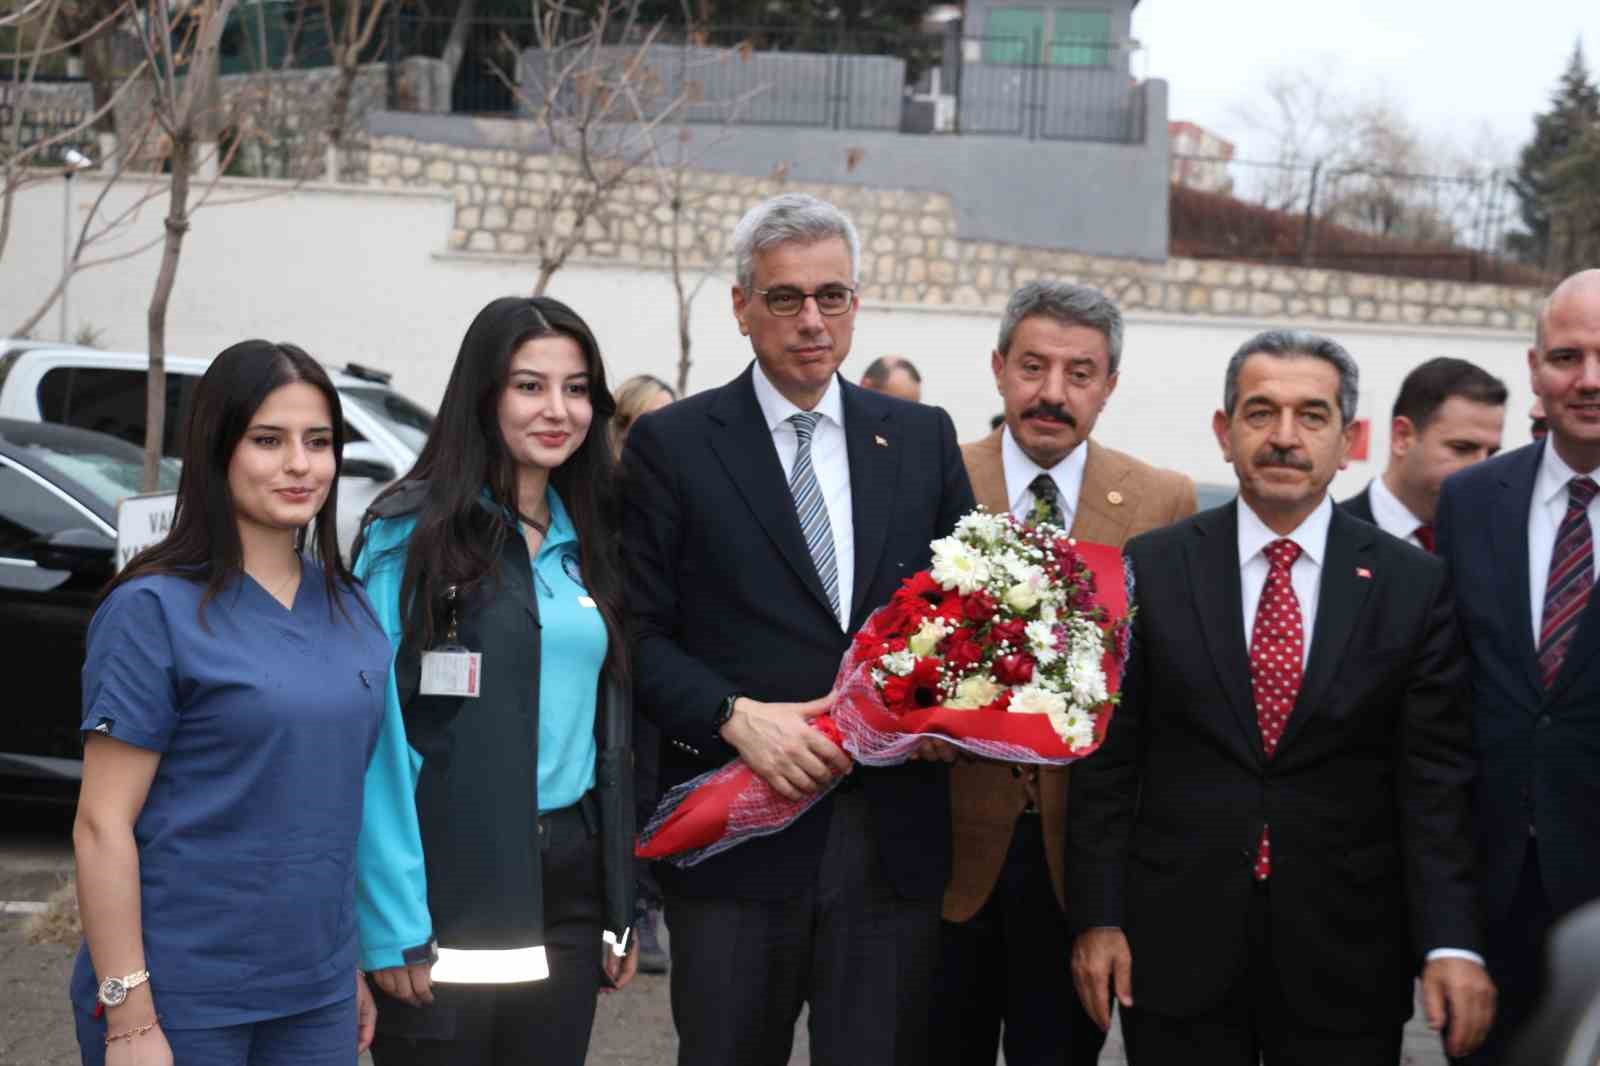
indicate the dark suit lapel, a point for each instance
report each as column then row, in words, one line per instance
column 874, row 447
column 742, row 442
column 1346, row 582
column 1213, row 561
column 1508, row 533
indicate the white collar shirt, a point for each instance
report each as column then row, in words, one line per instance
column 1305, row 576
column 1392, row 516
column 830, row 460
column 1544, row 520
column 1020, row 472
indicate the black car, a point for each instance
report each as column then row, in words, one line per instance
column 59, row 488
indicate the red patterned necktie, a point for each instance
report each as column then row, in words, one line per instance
column 1571, row 578
column 1276, row 642
column 1424, row 535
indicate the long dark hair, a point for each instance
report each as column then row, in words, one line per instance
column 204, row 542
column 457, row 542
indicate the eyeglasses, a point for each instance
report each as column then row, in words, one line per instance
column 831, row 300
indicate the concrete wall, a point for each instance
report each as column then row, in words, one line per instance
column 361, row 274
column 1101, row 199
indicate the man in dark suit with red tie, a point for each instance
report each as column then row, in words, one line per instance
column 1518, row 534
column 1274, row 839
column 1449, row 414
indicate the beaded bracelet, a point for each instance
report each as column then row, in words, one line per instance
column 137, row 1030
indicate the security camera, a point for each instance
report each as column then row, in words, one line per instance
column 76, row 160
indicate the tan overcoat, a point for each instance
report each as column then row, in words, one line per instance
column 1120, row 498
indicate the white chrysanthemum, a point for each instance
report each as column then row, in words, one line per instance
column 1074, row 727
column 1017, row 568
column 899, row 663
column 1047, row 613
column 980, row 527
column 1033, row 699
column 958, row 567
column 1042, row 642
column 1085, row 681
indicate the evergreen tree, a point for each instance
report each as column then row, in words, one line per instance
column 1542, row 185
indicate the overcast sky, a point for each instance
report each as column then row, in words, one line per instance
column 1454, row 67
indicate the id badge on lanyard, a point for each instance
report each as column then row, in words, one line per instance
column 451, row 669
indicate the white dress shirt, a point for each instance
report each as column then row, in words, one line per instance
column 829, row 459
column 1392, row 516
column 1306, row 577
column 1544, row 519
column 1020, row 472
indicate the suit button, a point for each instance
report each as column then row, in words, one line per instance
column 1544, row 721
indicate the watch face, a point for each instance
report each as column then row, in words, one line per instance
column 113, row 992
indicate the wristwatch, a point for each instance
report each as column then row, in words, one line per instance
column 725, row 712
column 114, row 990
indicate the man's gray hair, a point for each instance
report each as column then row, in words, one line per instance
column 793, row 216
column 1068, row 304
column 1290, row 343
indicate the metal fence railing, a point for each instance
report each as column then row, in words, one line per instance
column 819, row 77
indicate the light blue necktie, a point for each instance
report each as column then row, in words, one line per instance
column 813, row 509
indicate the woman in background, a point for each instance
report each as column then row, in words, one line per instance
column 232, row 695
column 637, row 396
column 496, row 861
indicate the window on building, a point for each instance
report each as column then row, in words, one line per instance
column 1080, row 38
column 1012, row 35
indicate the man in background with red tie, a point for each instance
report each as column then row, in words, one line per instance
column 1518, row 534
column 1450, row 414
column 1274, row 840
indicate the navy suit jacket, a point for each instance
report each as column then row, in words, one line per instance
column 1538, row 750
column 724, row 598
column 1360, row 506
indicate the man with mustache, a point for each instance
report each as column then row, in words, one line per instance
column 1518, row 533
column 1275, row 836
column 764, row 521
column 1450, row 414
column 1004, row 945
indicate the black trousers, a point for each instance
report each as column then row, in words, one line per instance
column 1516, row 948
column 547, row 1022
column 1254, row 1025
column 1010, row 965
column 861, row 956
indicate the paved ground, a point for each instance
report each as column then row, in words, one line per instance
column 632, row 1028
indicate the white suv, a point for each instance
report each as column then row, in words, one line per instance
column 105, row 391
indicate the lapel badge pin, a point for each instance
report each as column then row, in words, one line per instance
column 1114, row 497
column 879, row 441
column 1362, row 571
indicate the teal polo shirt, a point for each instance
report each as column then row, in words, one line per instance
column 572, row 651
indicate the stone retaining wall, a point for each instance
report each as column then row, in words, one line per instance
column 912, row 251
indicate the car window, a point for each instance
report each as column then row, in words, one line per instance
column 112, row 401
column 110, row 477
column 29, row 510
column 399, row 415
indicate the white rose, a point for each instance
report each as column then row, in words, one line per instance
column 925, row 640
column 1031, row 699
column 974, row 692
column 1022, row 597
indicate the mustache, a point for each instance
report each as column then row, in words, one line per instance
column 1052, row 410
column 1272, row 455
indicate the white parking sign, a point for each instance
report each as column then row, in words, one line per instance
column 142, row 521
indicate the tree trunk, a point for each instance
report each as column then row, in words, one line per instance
column 676, row 258
column 547, row 270
column 97, row 68
column 155, row 409
column 339, row 112
column 456, row 46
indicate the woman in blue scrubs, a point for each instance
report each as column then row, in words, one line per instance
column 232, row 696
column 495, row 870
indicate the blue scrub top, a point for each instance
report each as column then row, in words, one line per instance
column 572, row 651
column 265, row 718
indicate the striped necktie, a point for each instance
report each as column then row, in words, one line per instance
column 1571, row 578
column 812, row 509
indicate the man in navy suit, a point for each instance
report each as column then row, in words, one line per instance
column 765, row 520
column 1518, row 533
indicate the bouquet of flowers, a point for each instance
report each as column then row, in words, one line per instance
column 1010, row 646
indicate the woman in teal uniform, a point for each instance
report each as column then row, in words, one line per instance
column 232, row 696
column 495, row 873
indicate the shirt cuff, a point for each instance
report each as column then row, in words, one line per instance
column 1456, row 953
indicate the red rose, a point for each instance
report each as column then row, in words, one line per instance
column 1014, row 669
column 962, row 651
column 950, row 608
column 1013, row 632
column 980, row 607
